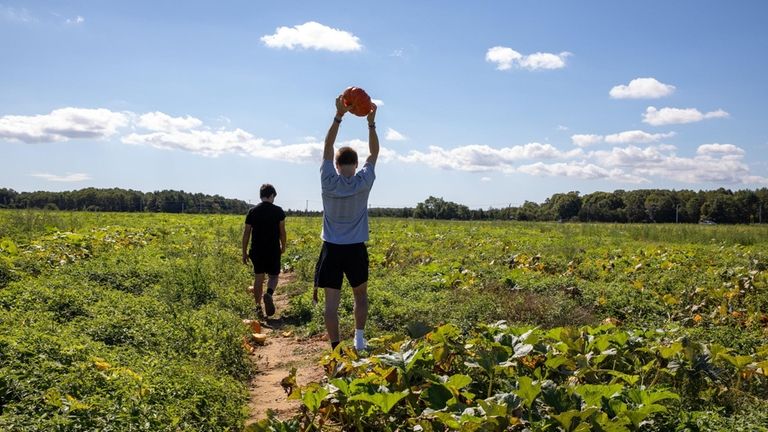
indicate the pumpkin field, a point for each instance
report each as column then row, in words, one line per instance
column 133, row 322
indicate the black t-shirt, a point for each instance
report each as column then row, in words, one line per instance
column 264, row 220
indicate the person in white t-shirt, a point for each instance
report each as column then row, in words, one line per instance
column 345, row 193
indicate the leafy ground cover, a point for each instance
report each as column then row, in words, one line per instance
column 521, row 378
column 688, row 304
column 132, row 322
column 120, row 322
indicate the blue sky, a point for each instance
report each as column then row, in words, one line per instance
column 482, row 103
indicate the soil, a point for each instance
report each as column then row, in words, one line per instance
column 273, row 361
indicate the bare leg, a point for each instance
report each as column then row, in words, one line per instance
column 332, row 299
column 272, row 282
column 361, row 305
column 258, row 289
column 269, row 303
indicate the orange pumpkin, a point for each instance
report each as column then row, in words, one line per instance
column 358, row 100
column 259, row 338
column 255, row 325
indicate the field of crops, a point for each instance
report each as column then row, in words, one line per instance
column 133, row 322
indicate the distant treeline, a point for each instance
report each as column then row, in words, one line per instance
column 123, row 200
column 638, row 206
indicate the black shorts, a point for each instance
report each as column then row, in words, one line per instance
column 268, row 263
column 338, row 260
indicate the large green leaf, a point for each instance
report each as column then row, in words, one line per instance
column 522, row 350
column 493, row 409
column 593, row 394
column 647, row 397
column 383, row 401
column 567, row 418
column 638, row 416
column 527, row 390
column 670, row 351
column 340, row 385
column 457, row 382
column 448, row 420
column 403, row 360
column 737, row 361
column 313, row 398
column 437, row 396
column 8, row 246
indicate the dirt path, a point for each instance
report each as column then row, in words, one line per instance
column 275, row 359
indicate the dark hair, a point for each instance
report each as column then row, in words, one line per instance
column 346, row 156
column 267, row 190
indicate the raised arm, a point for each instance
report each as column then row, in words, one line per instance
column 373, row 138
column 330, row 138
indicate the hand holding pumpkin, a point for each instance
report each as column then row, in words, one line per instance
column 341, row 108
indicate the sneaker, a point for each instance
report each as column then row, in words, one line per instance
column 362, row 346
column 269, row 305
column 259, row 312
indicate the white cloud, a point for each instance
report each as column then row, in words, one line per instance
column 313, row 35
column 715, row 163
column 485, row 158
column 69, row 177
column 698, row 169
column 632, row 156
column 720, row 149
column 711, row 163
column 396, row 53
column 626, row 137
column 642, row 88
column 216, row 143
column 204, row 142
column 665, row 116
column 158, row 121
column 379, row 103
column 562, row 127
column 541, row 60
column 62, row 125
column 636, row 136
column 485, row 179
column 585, row 140
column 505, row 58
column 586, row 171
column 393, row 135
column 76, row 20
column 18, row 15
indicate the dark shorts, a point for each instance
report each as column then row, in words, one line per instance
column 268, row 263
column 338, row 260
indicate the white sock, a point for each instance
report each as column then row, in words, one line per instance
column 359, row 339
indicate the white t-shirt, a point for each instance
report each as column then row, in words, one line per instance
column 345, row 204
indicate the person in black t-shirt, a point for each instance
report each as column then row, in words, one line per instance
column 265, row 227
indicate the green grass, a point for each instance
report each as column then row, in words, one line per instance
column 116, row 321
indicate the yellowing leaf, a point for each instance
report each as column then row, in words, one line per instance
column 102, row 365
column 671, row 299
